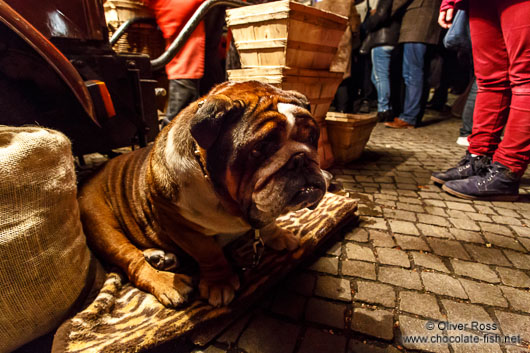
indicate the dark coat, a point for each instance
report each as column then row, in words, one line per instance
column 420, row 21
column 382, row 28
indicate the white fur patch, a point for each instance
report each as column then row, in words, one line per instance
column 288, row 110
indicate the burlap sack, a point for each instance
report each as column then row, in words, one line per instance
column 44, row 260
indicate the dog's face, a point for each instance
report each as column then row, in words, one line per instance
column 260, row 148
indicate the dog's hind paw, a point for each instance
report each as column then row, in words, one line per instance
column 219, row 293
column 161, row 260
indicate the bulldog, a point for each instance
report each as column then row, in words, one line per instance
column 230, row 162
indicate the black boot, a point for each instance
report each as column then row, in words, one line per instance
column 498, row 184
column 467, row 167
column 387, row 115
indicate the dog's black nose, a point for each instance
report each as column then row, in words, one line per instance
column 297, row 161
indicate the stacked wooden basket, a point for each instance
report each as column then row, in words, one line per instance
column 291, row 46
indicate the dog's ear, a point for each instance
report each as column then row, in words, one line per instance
column 302, row 99
column 213, row 112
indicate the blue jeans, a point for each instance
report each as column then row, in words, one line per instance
column 381, row 75
column 413, row 63
column 469, row 108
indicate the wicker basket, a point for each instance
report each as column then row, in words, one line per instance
column 140, row 38
column 318, row 86
column 348, row 134
column 285, row 33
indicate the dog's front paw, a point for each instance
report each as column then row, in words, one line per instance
column 219, row 293
column 161, row 260
column 280, row 239
column 169, row 288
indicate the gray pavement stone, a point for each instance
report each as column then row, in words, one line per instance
column 429, row 261
column 420, row 304
column 506, row 220
column 375, row 293
column 327, row 265
column 459, row 206
column 478, row 217
column 435, row 231
column 412, row 200
column 318, row 341
column 448, row 248
column 358, row 234
column 525, row 242
column 433, row 220
column 464, row 223
column 443, row 284
column 333, row 288
column 373, row 222
column 268, row 335
column 378, row 323
column 503, row 241
column 289, row 304
column 487, row 255
column 232, row 333
column 358, row 269
column 522, row 231
column 483, row 293
column 437, row 211
column 399, row 214
column 459, row 216
column 474, row 270
column 467, row 236
column 410, row 326
column 495, row 228
column 325, row 313
column 394, row 257
column 429, row 195
column 358, row 252
column 485, row 209
column 400, row 277
column 409, row 207
column 519, row 299
column 408, row 242
column 356, row 346
column 519, row 260
column 514, row 278
column 403, row 227
column 381, row 239
column 514, row 324
column 465, row 313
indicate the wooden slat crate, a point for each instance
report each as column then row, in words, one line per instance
column 285, row 33
column 319, row 86
column 349, row 134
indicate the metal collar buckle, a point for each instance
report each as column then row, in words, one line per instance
column 258, row 246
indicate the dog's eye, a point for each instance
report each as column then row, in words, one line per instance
column 261, row 148
column 313, row 138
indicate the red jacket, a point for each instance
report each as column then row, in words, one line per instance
column 451, row 4
column 171, row 16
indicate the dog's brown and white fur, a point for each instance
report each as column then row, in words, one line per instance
column 234, row 160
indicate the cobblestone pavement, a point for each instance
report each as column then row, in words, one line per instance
column 419, row 264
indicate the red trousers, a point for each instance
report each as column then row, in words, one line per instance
column 500, row 33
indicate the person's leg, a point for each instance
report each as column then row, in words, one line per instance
column 490, row 60
column 467, row 114
column 510, row 160
column 381, row 79
column 514, row 150
column 413, row 72
column 181, row 93
column 413, row 62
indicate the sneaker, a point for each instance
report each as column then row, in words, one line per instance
column 387, row 115
column 498, row 184
column 467, row 167
column 399, row 124
column 462, row 141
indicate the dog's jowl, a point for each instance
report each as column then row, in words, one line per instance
column 231, row 162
